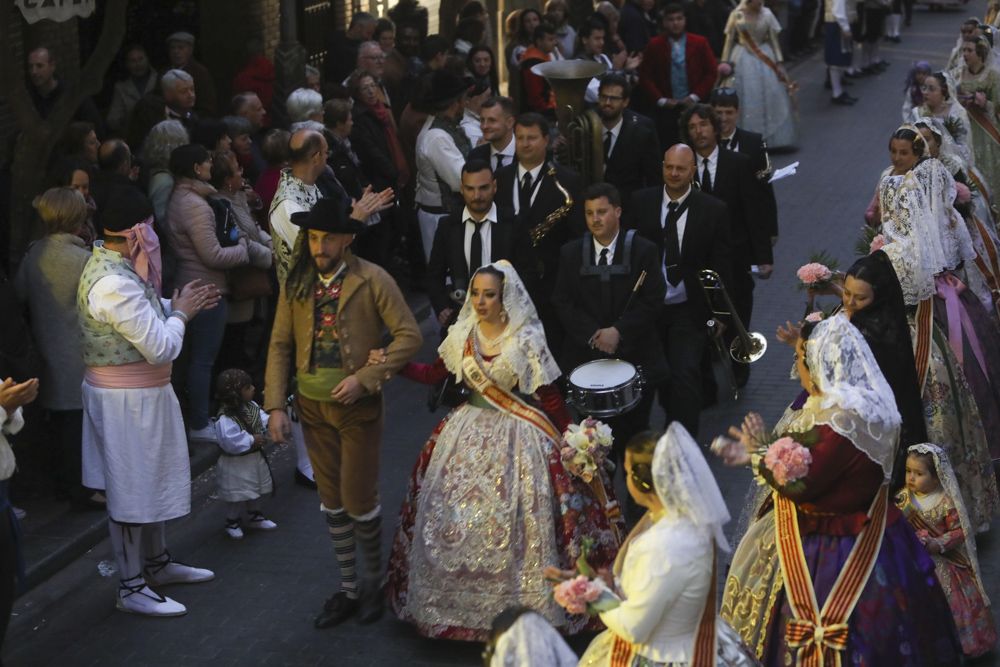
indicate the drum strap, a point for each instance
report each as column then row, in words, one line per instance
column 589, row 268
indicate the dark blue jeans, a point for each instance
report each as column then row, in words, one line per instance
column 204, row 334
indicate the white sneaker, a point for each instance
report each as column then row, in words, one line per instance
column 165, row 570
column 206, row 434
column 19, row 513
column 233, row 529
column 141, row 599
column 258, row 521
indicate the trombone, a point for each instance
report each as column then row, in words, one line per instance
column 747, row 347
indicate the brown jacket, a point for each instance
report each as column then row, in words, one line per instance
column 191, row 223
column 370, row 302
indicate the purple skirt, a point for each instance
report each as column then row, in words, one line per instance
column 902, row 618
column 985, row 386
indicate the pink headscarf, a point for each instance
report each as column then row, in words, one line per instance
column 144, row 252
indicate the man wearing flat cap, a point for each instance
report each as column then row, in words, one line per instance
column 180, row 49
column 442, row 146
column 333, row 308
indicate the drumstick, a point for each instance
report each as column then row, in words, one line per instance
column 638, row 284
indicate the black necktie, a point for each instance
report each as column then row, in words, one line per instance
column 672, row 245
column 525, row 194
column 499, row 157
column 604, row 257
column 607, row 145
column 706, row 178
column 476, row 248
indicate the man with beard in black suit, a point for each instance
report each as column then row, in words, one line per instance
column 691, row 229
column 726, row 104
column 631, row 147
column 545, row 198
column 728, row 176
column 482, row 234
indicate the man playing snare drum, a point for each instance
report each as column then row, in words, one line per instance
column 604, row 315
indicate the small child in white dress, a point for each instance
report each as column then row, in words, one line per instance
column 243, row 472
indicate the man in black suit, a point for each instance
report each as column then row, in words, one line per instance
column 594, row 299
column 545, row 197
column 692, row 232
column 728, row 176
column 484, row 233
column 631, row 146
column 726, row 103
column 496, row 120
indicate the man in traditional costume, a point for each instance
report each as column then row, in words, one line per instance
column 134, row 444
column 332, row 310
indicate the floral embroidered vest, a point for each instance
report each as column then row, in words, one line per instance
column 102, row 345
column 326, row 340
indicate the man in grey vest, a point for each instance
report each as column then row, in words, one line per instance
column 442, row 147
column 134, row 443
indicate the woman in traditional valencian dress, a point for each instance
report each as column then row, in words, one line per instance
column 665, row 574
column 490, row 504
column 947, row 412
column 760, row 79
column 927, row 250
column 941, row 105
column 828, row 533
column 977, row 87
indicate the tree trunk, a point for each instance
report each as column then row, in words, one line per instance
column 38, row 136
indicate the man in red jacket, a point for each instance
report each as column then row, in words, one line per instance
column 678, row 69
column 538, row 94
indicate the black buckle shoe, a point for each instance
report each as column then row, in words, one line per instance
column 372, row 604
column 336, row 610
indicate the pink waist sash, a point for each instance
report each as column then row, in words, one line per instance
column 137, row 375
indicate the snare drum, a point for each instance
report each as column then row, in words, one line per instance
column 605, row 388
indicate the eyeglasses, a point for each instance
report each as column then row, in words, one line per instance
column 609, row 98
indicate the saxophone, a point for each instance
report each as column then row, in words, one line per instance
column 539, row 231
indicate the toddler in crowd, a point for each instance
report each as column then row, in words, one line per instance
column 243, row 471
column 933, row 505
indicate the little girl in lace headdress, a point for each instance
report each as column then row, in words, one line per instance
column 242, row 471
column 933, row 505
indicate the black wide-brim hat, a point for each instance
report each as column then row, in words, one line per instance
column 328, row 215
column 444, row 87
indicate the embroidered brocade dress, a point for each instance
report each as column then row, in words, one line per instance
column 985, row 149
column 973, row 617
column 489, row 506
column 765, row 104
column 902, row 617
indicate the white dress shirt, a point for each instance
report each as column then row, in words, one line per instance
column 675, row 293
column 437, row 157
column 725, row 141
column 713, row 165
column 122, row 303
column 485, row 234
column 594, row 87
column 507, row 152
column 470, row 125
column 536, row 175
column 610, row 248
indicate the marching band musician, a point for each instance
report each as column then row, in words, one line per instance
column 482, row 234
column 604, row 307
column 691, row 230
column 545, row 198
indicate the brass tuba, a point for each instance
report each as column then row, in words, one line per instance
column 584, row 148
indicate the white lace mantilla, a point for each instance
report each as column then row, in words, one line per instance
column 525, row 360
column 905, row 219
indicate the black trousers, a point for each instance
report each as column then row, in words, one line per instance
column 66, row 428
column 8, row 563
column 684, row 338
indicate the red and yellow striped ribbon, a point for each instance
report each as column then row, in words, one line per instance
column 922, row 345
column 820, row 636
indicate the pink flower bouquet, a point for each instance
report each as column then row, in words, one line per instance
column 814, row 274
column 585, row 448
column 815, row 316
column 962, row 193
column 581, row 595
column 877, row 243
column 787, row 460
